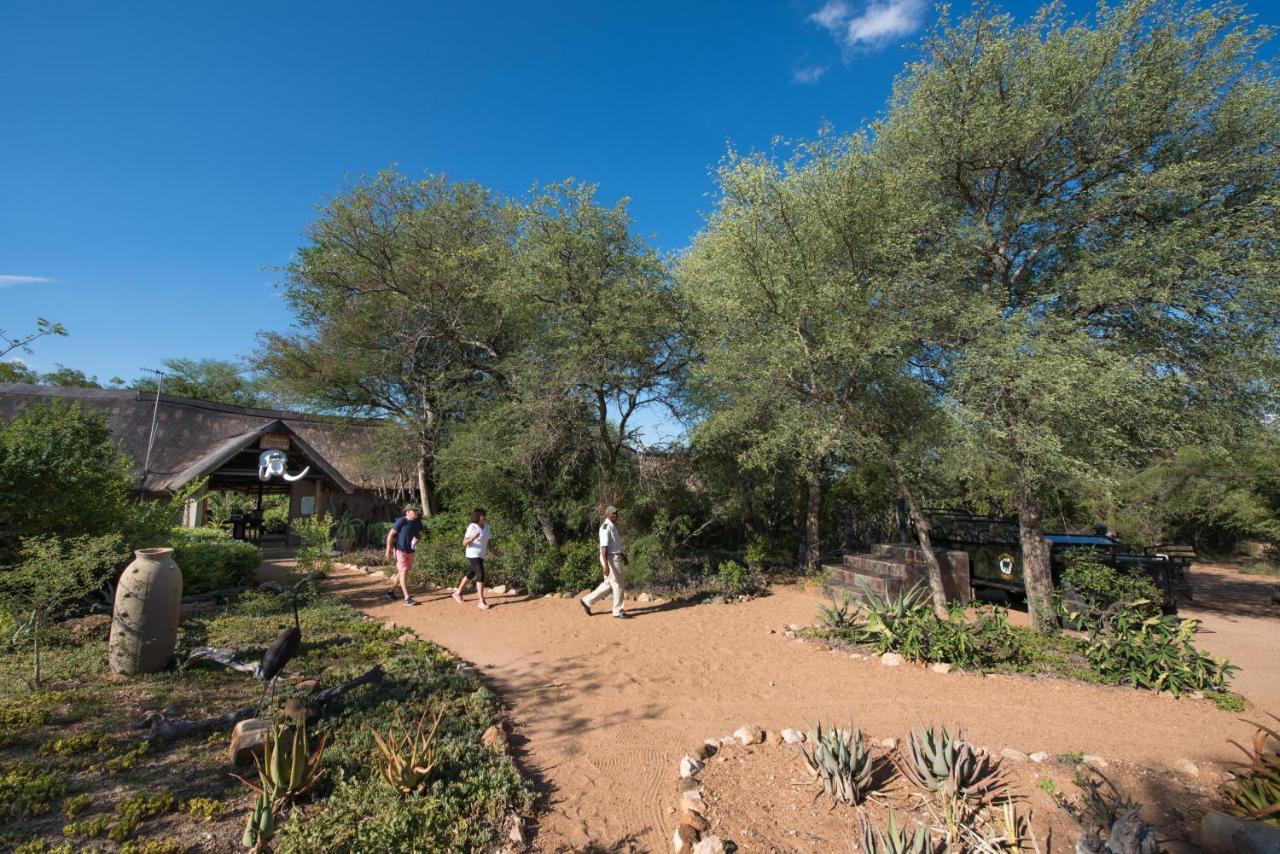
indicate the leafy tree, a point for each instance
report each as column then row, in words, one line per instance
column 17, row 372
column 603, row 319
column 393, row 302
column 72, row 377
column 214, row 380
column 52, row 579
column 806, row 273
column 1109, row 234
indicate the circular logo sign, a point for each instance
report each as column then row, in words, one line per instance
column 1006, row 564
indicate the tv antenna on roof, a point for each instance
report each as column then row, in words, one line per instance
column 155, row 413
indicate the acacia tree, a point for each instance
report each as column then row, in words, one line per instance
column 394, row 299
column 602, row 317
column 805, row 283
column 1110, row 228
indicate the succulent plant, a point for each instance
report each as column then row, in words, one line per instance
column 289, row 767
column 841, row 759
column 948, row 765
column 896, row 840
column 1254, row 793
column 261, row 825
column 408, row 758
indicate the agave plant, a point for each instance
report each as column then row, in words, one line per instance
column 289, row 768
column 949, row 766
column 842, row 761
column 896, row 840
column 408, row 758
column 1254, row 793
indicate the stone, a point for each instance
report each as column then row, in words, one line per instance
column 689, row 767
column 1013, row 755
column 889, row 743
column 684, row 839
column 1094, row 761
column 495, row 737
column 941, row 667
column 1038, row 756
column 644, row 597
column 499, row 590
column 709, row 845
column 718, row 599
column 1187, row 767
column 792, row 627
column 270, row 587
column 295, row 710
column 688, row 784
column 728, row 740
column 705, row 751
column 791, row 736
column 749, row 734
column 513, row 591
column 773, row 738
column 790, row 635
column 712, row 745
column 693, row 802
column 890, row 659
column 249, row 739
column 1225, row 834
column 696, row 821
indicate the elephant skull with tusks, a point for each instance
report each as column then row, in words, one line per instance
column 271, row 463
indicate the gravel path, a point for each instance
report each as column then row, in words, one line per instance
column 603, row 709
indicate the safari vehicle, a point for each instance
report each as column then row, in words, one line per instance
column 995, row 557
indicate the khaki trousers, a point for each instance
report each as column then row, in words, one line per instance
column 612, row 583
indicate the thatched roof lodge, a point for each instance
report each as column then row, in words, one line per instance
column 197, row 439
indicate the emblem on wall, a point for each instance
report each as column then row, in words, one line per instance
column 271, row 464
column 1006, row 564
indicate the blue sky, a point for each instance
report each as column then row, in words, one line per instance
column 155, row 157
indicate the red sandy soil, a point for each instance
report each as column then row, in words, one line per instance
column 603, row 709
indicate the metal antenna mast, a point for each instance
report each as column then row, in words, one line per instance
column 155, row 413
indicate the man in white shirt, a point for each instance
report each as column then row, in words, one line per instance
column 613, row 558
column 475, row 543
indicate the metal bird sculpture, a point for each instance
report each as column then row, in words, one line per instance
column 282, row 649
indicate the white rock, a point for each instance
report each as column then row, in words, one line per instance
column 749, row 734
column 500, row 590
column 689, row 766
column 890, row 659
column 941, row 667
column 791, row 736
column 683, row 839
column 1013, row 755
column 644, row 597
column 1187, row 767
column 709, row 845
column 1038, row 756
column 889, row 743
column 789, row 634
column 728, row 740
column 693, row 802
column 1094, row 761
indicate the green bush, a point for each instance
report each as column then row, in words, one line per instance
column 216, row 564
column 544, row 571
column 378, row 534
column 580, row 566
column 1154, row 651
column 203, row 534
column 736, row 580
column 315, row 548
column 757, row 556
column 1099, row 585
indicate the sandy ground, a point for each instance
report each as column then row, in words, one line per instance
column 603, row 709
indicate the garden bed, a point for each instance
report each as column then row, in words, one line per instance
column 75, row 772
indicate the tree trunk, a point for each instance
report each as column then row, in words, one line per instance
column 35, row 633
column 925, row 541
column 424, row 492
column 546, row 523
column 1037, row 574
column 813, row 542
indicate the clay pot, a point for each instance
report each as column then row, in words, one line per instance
column 144, row 624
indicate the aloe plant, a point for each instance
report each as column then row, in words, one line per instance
column 842, row 761
column 949, row 766
column 1254, row 793
column 407, row 758
column 289, row 768
column 896, row 840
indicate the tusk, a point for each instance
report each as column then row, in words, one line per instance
column 299, row 476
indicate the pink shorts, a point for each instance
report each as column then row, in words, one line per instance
column 404, row 561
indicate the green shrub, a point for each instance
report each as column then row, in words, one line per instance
column 315, row 550
column 204, row 534
column 544, row 571
column 580, row 566
column 1154, row 651
column 1228, row 701
column 757, row 556
column 1100, row 586
column 216, row 564
column 378, row 534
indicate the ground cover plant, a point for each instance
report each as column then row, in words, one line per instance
column 1130, row 643
column 75, row 773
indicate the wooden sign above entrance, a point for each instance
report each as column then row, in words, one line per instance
column 274, row 442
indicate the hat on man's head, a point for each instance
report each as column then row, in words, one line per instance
column 413, row 507
column 610, row 510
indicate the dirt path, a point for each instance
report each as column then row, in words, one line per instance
column 605, row 708
column 1239, row 621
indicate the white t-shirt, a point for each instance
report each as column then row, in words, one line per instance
column 610, row 539
column 480, row 545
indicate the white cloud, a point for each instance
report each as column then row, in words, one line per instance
column 880, row 22
column 9, row 281
column 809, row 74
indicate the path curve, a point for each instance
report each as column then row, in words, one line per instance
column 603, row 709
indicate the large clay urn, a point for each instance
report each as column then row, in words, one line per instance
column 144, row 625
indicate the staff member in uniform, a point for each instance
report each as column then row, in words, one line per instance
column 613, row 559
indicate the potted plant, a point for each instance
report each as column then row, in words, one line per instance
column 346, row 530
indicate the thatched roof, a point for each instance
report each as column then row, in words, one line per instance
column 195, row 437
